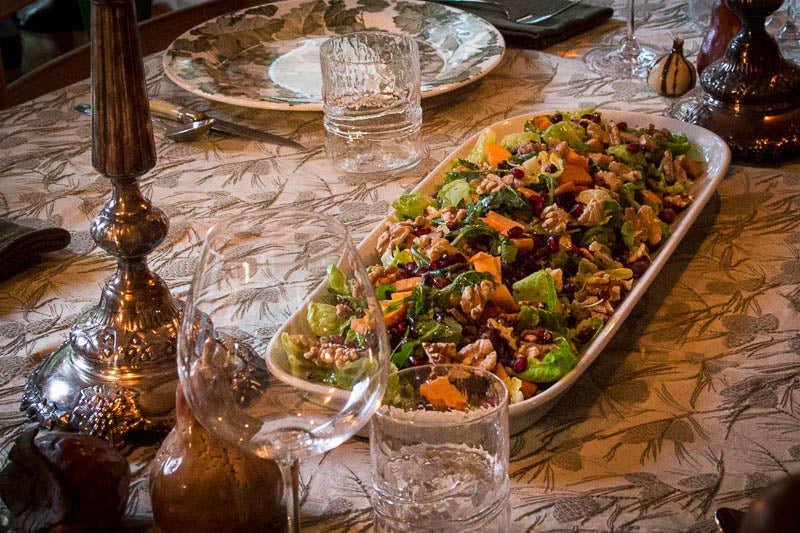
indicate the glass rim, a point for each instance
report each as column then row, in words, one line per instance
column 225, row 224
column 475, row 370
column 324, row 48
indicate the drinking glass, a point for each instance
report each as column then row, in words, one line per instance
column 628, row 59
column 439, row 447
column 256, row 272
column 371, row 102
column 788, row 36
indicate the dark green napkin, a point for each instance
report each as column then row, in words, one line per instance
column 21, row 246
column 575, row 20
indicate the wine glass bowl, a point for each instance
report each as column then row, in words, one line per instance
column 255, row 273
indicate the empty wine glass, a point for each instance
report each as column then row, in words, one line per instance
column 260, row 319
column 626, row 60
column 788, row 36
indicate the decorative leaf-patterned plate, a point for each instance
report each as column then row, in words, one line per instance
column 268, row 56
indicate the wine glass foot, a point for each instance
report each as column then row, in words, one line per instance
column 611, row 61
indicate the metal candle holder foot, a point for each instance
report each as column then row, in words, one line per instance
column 116, row 375
column 751, row 96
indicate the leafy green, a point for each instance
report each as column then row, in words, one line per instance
column 420, row 258
column 337, row 282
column 615, row 210
column 566, row 130
column 477, row 155
column 678, row 144
column 383, row 292
column 635, row 161
column 629, row 234
column 396, row 257
column 355, row 371
column 499, row 244
column 553, row 366
column 512, row 140
column 538, row 287
column 410, row 206
column 449, row 331
column 528, row 317
column 602, row 234
column 665, row 231
column 628, row 193
column 601, row 195
column 292, row 349
column 457, row 163
column 294, row 353
column 406, row 349
column 505, row 201
column 454, row 193
column 398, row 391
column 466, row 175
column 459, row 283
column 619, row 273
column 596, row 323
column 322, row 319
column 585, row 270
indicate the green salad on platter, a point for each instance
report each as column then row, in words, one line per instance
column 518, row 261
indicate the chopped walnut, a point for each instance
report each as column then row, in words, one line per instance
column 628, row 137
column 637, row 254
column 596, row 132
column 531, row 349
column 592, row 212
column 590, row 307
column 624, row 171
column 480, row 353
column 678, row 200
column 646, row 223
column 609, row 179
column 490, row 183
column 473, row 299
column 561, row 148
column 397, row 234
column 505, row 332
column 434, row 247
column 344, row 311
column 448, row 214
column 335, row 354
column 602, row 255
column 554, row 219
column 440, row 353
column 672, row 169
column 380, row 275
column 304, row 342
column 602, row 281
column 558, row 277
column 602, row 160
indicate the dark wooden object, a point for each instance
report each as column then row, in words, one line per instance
column 156, row 34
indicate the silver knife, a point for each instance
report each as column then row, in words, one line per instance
column 163, row 109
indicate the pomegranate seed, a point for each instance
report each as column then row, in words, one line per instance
column 596, row 118
column 622, row 125
column 452, row 226
column 537, row 200
column 459, row 258
column 569, row 288
column 587, row 116
column 640, row 267
column 557, row 118
column 604, row 294
column 520, row 365
column 518, row 173
column 514, row 232
column 336, row 339
column 667, row 215
column 551, row 168
column 351, row 344
column 565, row 200
column 503, row 165
column 543, row 336
column 438, row 317
column 552, row 243
column 634, row 148
column 422, row 230
column 413, row 361
column 515, row 150
column 585, row 335
column 574, row 250
column 577, row 210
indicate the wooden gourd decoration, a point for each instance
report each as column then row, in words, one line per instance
column 724, row 25
column 672, row 74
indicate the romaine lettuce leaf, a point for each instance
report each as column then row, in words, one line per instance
column 512, row 140
column 635, row 161
column 538, row 287
column 454, row 193
column 410, row 206
column 555, row 364
column 569, row 131
column 477, row 155
column 337, row 282
column 322, row 319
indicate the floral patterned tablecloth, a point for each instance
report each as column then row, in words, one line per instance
column 694, row 405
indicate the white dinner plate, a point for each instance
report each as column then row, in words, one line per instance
column 716, row 158
column 268, row 56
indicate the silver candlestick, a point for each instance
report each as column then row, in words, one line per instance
column 116, row 375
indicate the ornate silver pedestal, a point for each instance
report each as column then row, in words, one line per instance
column 117, row 373
column 751, row 96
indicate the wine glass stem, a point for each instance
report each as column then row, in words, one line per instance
column 290, row 473
column 631, row 27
